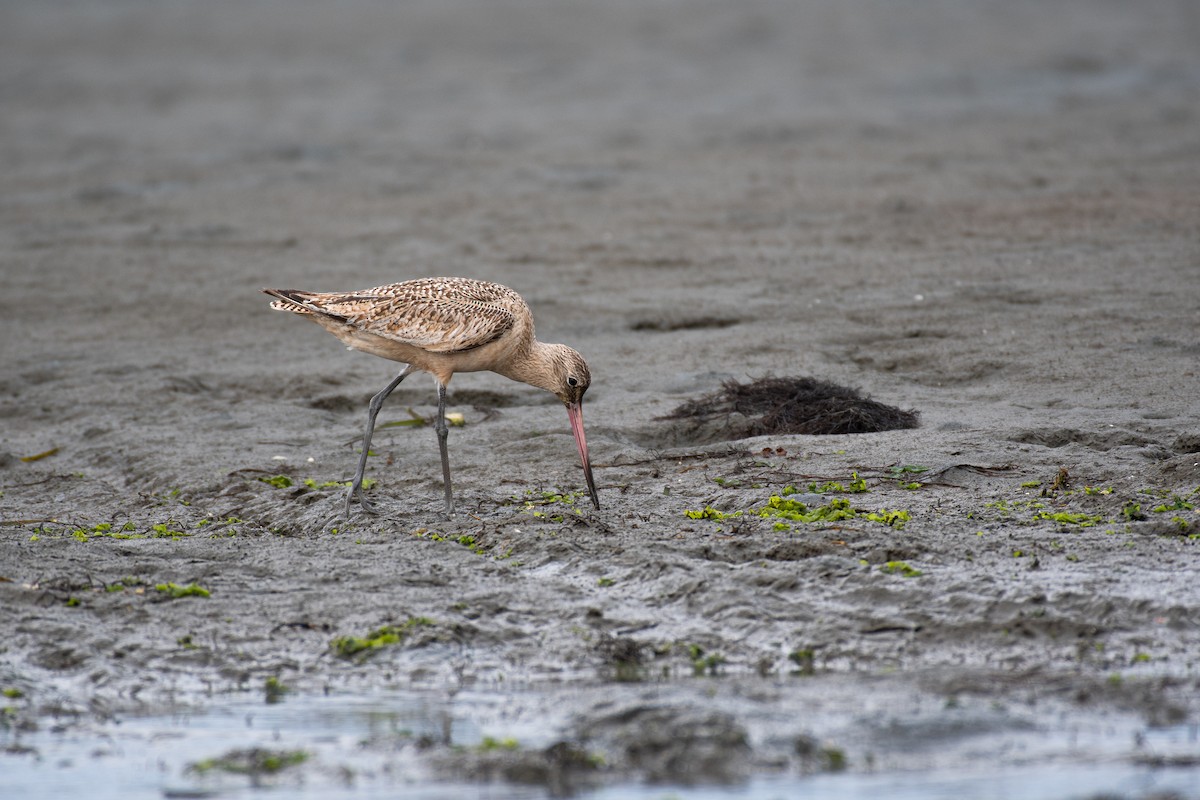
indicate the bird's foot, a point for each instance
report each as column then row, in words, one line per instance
column 366, row 505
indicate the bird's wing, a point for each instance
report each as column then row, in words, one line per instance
column 445, row 317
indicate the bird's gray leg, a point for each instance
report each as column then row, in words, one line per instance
column 372, row 413
column 443, row 430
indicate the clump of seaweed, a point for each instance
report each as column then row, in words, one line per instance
column 793, row 405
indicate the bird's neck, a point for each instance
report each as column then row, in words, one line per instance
column 533, row 365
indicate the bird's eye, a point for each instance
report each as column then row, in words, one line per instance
column 572, row 380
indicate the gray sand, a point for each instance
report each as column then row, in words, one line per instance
column 984, row 211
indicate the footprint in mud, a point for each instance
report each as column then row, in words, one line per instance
column 1187, row 443
column 1103, row 440
column 927, row 356
column 664, row 324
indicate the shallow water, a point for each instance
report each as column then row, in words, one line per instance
column 364, row 746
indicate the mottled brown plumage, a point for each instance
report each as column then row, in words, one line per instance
column 442, row 326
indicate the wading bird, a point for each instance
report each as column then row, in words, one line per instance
column 443, row 326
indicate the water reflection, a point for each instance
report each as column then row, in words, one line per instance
column 359, row 746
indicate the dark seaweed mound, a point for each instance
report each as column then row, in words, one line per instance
column 794, row 405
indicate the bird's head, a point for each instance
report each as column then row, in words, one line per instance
column 569, row 379
column 571, row 376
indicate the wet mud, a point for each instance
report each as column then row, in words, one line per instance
column 984, row 212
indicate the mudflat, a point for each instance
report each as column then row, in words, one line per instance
column 984, row 212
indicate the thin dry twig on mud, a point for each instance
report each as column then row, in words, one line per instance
column 937, row 476
column 660, row 456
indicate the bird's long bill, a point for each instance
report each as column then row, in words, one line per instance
column 575, row 412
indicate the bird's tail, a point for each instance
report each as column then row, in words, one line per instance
column 293, row 300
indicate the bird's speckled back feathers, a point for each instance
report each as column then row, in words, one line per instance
column 438, row 315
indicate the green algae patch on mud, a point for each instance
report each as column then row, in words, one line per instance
column 783, row 510
column 105, row 529
column 171, row 529
column 491, row 743
column 901, row 568
column 548, row 505
column 277, row 481
column 313, row 483
column 704, row 663
column 175, row 591
column 1069, row 518
column 274, row 690
column 796, row 511
column 384, row 636
column 893, row 519
column 856, row 485
column 163, row 530
column 805, row 660
column 129, row 582
column 708, row 512
column 287, row 482
column 836, row 510
column 1177, row 504
column 252, row 761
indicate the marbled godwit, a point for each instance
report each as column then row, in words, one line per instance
column 443, row 326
